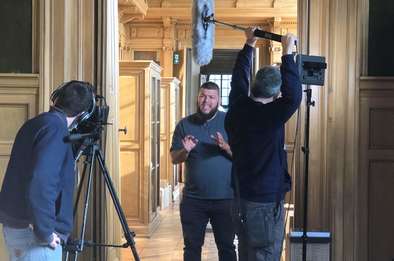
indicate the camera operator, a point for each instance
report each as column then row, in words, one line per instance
column 36, row 199
column 255, row 126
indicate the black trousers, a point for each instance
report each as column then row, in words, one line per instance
column 195, row 214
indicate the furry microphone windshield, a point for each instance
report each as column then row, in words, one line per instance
column 203, row 32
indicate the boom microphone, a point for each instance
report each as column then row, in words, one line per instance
column 204, row 28
column 203, row 32
column 257, row 32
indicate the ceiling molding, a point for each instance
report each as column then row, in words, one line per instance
column 224, row 13
column 133, row 6
column 130, row 10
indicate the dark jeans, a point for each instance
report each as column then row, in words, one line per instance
column 261, row 236
column 195, row 214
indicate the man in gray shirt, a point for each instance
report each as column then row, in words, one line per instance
column 201, row 142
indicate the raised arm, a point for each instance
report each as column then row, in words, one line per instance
column 291, row 88
column 241, row 72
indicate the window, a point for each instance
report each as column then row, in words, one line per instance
column 223, row 81
column 380, row 40
column 16, row 46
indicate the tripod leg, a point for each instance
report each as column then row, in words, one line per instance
column 86, row 206
column 80, row 187
column 122, row 218
column 78, row 245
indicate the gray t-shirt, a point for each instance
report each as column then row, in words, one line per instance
column 208, row 168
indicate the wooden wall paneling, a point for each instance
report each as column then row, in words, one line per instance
column 333, row 190
column 67, row 51
column 46, row 36
column 66, row 44
column 376, row 161
column 85, row 42
column 106, row 75
column 135, row 113
column 317, row 172
column 18, row 103
column 380, row 197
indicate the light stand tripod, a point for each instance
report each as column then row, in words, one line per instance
column 305, row 150
column 311, row 70
column 93, row 152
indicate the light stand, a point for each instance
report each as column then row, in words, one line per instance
column 311, row 70
column 93, row 153
column 305, row 150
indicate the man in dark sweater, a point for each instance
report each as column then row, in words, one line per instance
column 255, row 125
column 36, row 207
column 200, row 141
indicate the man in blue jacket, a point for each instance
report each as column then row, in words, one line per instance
column 255, row 125
column 36, row 207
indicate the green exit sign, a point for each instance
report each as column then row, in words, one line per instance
column 176, row 58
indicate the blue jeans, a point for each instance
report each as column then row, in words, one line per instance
column 195, row 214
column 22, row 245
column 262, row 233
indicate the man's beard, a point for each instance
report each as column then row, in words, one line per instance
column 203, row 117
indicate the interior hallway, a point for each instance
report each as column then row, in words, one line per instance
column 166, row 244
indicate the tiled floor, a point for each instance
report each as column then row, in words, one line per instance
column 166, row 244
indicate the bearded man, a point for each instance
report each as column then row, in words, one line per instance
column 200, row 141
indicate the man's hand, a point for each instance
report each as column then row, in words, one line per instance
column 219, row 140
column 189, row 142
column 250, row 38
column 288, row 43
column 55, row 241
column 181, row 155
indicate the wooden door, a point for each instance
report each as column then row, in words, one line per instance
column 129, row 143
column 139, row 104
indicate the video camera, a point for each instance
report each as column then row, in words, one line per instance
column 89, row 130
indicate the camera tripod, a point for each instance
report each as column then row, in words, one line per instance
column 92, row 152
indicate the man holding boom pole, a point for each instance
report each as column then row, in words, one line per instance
column 255, row 125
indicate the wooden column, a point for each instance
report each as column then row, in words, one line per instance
column 168, row 46
column 107, row 226
column 169, row 88
column 275, row 47
column 66, row 44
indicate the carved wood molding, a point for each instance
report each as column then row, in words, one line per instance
column 141, row 6
column 19, row 80
column 130, row 10
column 224, row 13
